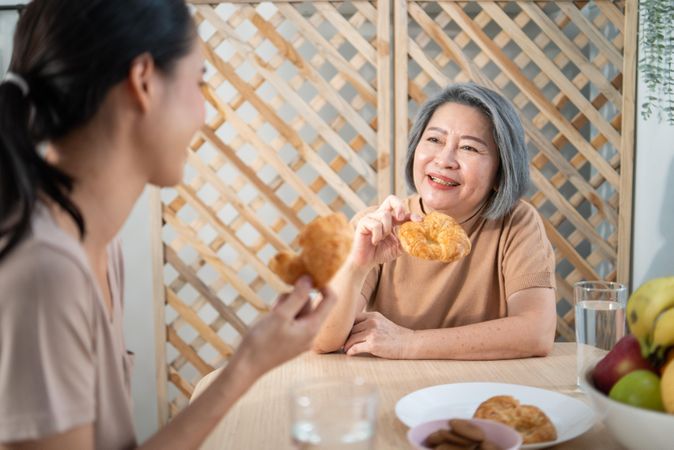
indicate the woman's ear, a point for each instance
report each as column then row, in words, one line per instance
column 140, row 80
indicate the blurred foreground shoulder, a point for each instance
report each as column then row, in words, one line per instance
column 39, row 273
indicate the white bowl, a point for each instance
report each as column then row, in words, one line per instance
column 635, row 428
column 502, row 435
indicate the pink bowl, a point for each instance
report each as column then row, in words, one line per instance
column 501, row 435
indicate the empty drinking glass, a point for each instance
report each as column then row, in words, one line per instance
column 331, row 414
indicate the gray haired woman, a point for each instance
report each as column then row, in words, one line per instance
column 466, row 158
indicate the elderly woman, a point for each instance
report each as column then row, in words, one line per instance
column 466, row 158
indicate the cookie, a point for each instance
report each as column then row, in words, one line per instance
column 467, row 430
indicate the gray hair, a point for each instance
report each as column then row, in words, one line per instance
column 513, row 173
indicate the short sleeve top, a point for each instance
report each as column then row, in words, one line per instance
column 63, row 361
column 508, row 254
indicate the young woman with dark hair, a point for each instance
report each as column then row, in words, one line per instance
column 102, row 97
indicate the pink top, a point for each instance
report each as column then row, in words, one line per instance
column 63, row 361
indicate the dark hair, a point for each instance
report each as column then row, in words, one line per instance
column 70, row 53
column 513, row 174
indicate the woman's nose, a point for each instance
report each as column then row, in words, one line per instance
column 447, row 156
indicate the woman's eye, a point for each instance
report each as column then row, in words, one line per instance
column 469, row 148
column 433, row 139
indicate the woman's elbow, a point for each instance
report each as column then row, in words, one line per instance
column 542, row 346
column 543, row 341
column 321, row 347
column 320, row 350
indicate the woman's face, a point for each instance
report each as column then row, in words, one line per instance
column 456, row 161
column 180, row 113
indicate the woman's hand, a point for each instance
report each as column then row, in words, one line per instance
column 375, row 241
column 375, row 334
column 287, row 330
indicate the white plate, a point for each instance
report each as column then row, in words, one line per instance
column 571, row 417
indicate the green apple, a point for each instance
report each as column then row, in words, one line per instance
column 640, row 388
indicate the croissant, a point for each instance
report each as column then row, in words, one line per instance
column 438, row 237
column 529, row 420
column 325, row 243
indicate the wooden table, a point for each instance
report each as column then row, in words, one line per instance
column 260, row 420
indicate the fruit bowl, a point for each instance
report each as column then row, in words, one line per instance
column 635, row 428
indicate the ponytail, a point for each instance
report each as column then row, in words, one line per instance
column 23, row 172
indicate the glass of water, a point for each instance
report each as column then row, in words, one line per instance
column 600, row 318
column 332, row 414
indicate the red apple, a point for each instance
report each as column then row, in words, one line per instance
column 623, row 358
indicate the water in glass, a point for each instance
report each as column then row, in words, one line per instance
column 354, row 436
column 600, row 323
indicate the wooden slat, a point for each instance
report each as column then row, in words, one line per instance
column 597, row 38
column 213, row 260
column 566, row 291
column 569, row 172
column 449, row 46
column 250, row 175
column 424, row 61
column 186, row 351
column 400, row 87
column 384, row 101
column 309, row 73
column 629, row 67
column 289, row 176
column 233, row 200
column 569, row 252
column 564, row 330
column 330, row 53
column 231, row 238
column 184, row 387
column 610, row 10
column 159, row 301
column 181, row 360
column 371, row 12
column 352, row 36
column 193, row 279
column 199, row 325
column 572, row 51
column 571, row 214
column 330, row 135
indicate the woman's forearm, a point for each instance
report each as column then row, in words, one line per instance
column 505, row 338
column 191, row 426
column 347, row 284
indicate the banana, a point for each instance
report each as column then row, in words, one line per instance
column 663, row 334
column 644, row 306
column 636, row 308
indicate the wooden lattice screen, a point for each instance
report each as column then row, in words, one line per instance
column 309, row 103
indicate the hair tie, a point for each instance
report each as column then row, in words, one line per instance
column 17, row 80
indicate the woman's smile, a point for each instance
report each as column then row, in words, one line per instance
column 441, row 182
